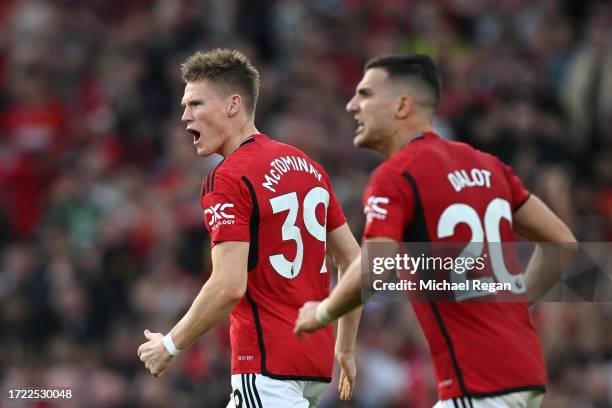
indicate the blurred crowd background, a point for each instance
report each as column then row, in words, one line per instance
column 101, row 232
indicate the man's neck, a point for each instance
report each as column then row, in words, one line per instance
column 403, row 136
column 238, row 137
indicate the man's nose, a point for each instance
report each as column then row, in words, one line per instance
column 187, row 116
column 351, row 106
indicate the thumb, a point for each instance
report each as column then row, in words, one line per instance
column 300, row 333
column 148, row 334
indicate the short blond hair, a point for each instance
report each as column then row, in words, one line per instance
column 230, row 69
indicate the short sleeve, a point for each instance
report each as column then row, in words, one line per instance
column 335, row 215
column 388, row 205
column 227, row 211
column 519, row 193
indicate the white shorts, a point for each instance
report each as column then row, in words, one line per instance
column 259, row 391
column 523, row 399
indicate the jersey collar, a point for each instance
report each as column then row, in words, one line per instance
column 251, row 139
column 419, row 136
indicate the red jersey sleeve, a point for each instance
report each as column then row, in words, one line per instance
column 388, row 205
column 519, row 193
column 227, row 211
column 335, row 215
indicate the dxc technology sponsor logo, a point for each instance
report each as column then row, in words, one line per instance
column 218, row 216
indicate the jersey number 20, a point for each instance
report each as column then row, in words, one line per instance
column 497, row 210
column 291, row 232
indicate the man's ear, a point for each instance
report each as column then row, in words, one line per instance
column 404, row 106
column 234, row 105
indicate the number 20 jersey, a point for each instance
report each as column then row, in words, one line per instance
column 279, row 200
column 434, row 190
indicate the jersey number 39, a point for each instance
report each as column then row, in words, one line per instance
column 291, row 232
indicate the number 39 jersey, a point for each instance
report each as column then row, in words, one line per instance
column 280, row 201
column 435, row 190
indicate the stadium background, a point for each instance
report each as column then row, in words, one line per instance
column 101, row 232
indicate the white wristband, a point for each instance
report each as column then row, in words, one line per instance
column 323, row 315
column 169, row 345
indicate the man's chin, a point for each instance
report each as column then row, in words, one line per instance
column 201, row 152
column 361, row 141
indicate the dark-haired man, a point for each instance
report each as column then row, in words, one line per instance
column 484, row 354
column 272, row 215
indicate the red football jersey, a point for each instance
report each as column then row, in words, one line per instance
column 275, row 197
column 435, row 190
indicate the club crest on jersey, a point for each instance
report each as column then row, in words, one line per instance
column 373, row 209
column 219, row 216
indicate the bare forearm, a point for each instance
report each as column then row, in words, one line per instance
column 210, row 307
column 535, row 274
column 348, row 324
column 545, row 270
column 555, row 246
column 347, row 331
column 347, row 294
